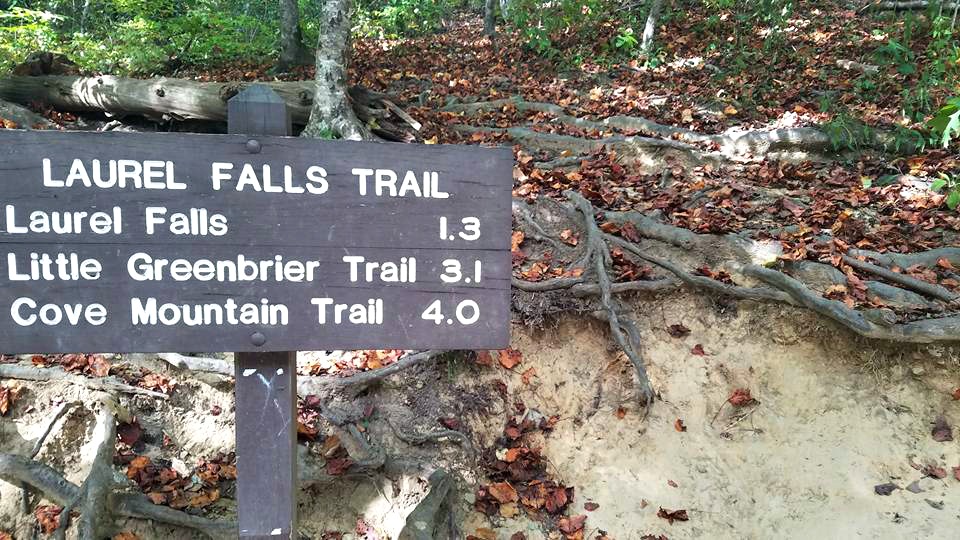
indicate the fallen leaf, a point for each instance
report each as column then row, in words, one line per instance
column 568, row 237
column 740, row 397
column 503, row 492
column 621, row 413
column 672, row 515
column 518, row 536
column 338, row 466
column 484, row 358
column 48, row 517
column 941, row 430
column 956, row 473
column 956, row 393
column 449, row 423
column 678, row 425
column 678, row 330
column 515, row 240
column 527, row 375
column 512, row 454
column 216, row 410
column 205, row 498
column 137, row 465
column 590, row 506
column 697, row 350
column 125, row 535
column 485, row 534
column 99, row 367
column 570, row 525
column 730, row 110
column 129, row 433
column 509, row 358
column 6, row 400
column 629, row 231
column 508, row 510
column 934, row 471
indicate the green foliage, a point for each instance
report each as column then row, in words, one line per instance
column 848, row 133
column 625, row 40
column 946, row 123
column 397, row 18
column 952, row 188
column 23, row 31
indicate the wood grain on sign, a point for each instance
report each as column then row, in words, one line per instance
column 262, row 226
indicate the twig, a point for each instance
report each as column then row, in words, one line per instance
column 104, row 384
column 198, row 363
column 914, row 284
column 316, row 385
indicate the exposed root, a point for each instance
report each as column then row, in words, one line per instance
column 417, row 438
column 645, row 152
column 913, row 284
column 357, row 383
column 103, row 384
column 782, row 143
column 98, row 500
column 63, row 409
column 735, row 254
column 198, row 363
column 433, row 517
column 906, row 5
column 600, row 254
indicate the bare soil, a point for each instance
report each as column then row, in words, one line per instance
column 835, row 416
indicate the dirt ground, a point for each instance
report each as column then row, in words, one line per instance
column 835, row 416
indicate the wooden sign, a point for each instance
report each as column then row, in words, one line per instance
column 157, row 242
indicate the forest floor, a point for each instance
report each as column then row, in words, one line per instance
column 770, row 419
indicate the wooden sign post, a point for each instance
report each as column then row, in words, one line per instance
column 259, row 244
column 266, row 382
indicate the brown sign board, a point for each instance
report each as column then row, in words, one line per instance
column 204, row 243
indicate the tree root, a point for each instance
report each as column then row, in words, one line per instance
column 906, row 5
column 104, row 384
column 433, row 517
column 357, row 383
column 63, row 409
column 735, row 254
column 782, row 143
column 98, row 499
column 199, row 363
column 645, row 152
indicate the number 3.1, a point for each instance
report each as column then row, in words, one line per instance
column 471, row 229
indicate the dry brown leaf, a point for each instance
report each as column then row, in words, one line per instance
column 503, row 492
column 510, row 358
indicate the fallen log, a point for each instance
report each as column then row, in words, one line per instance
column 181, row 99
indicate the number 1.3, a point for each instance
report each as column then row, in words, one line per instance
column 471, row 229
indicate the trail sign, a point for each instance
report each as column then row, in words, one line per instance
column 254, row 243
column 153, row 242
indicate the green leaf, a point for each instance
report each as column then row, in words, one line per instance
column 938, row 184
column 947, row 121
column 953, row 200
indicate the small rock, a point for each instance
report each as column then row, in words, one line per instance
column 917, row 371
column 885, row 489
column 914, row 487
column 935, row 504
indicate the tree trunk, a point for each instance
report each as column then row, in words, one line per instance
column 182, row 99
column 646, row 43
column 332, row 114
column 504, row 9
column 489, row 20
column 292, row 52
